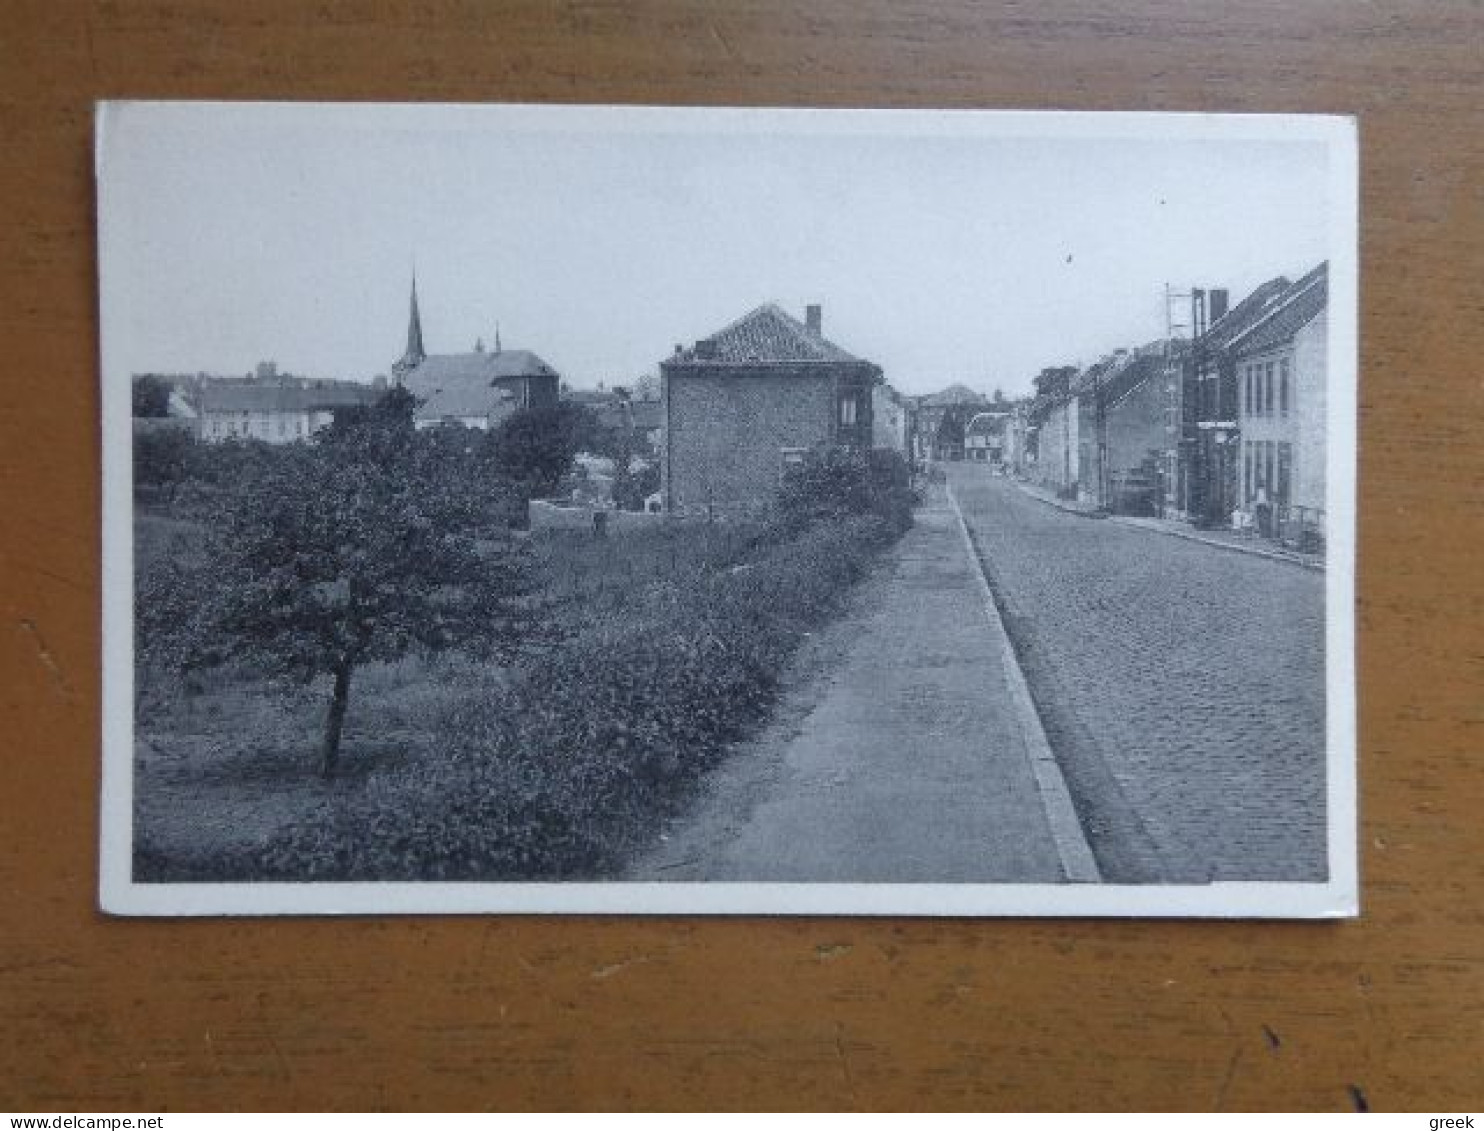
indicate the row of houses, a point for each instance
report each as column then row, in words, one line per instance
column 1224, row 427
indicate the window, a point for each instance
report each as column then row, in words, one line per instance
column 1267, row 391
column 1285, row 473
column 1283, row 393
column 847, row 411
column 1247, row 390
column 1247, row 489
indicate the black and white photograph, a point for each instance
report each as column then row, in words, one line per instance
column 638, row 510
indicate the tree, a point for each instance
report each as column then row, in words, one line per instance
column 164, row 458
column 536, row 446
column 371, row 543
column 151, row 396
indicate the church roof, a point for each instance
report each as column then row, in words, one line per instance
column 765, row 336
column 469, row 384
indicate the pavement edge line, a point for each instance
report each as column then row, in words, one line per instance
column 1077, row 860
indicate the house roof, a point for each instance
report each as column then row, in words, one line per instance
column 1294, row 309
column 282, row 396
column 765, row 336
column 986, row 423
column 1139, row 369
column 954, row 394
column 467, row 384
column 1245, row 314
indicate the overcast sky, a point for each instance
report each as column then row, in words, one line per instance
column 944, row 252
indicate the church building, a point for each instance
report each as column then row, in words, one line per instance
column 476, row 389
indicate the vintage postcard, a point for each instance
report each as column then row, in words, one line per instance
column 539, row 509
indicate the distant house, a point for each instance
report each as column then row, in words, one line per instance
column 477, row 389
column 616, row 409
column 1280, row 363
column 939, row 421
column 277, row 410
column 891, row 420
column 756, row 395
column 984, row 435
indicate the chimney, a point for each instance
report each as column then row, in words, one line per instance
column 814, row 318
column 1218, row 302
column 706, row 349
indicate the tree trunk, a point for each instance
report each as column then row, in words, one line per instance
column 335, row 721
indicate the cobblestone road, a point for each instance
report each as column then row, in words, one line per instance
column 1181, row 685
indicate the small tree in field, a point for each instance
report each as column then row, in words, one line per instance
column 367, row 545
column 535, row 446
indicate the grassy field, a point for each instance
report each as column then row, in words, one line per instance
column 645, row 656
column 225, row 765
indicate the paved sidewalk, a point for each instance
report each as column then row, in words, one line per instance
column 1225, row 539
column 1243, row 543
column 900, row 758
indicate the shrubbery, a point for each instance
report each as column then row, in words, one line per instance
column 555, row 775
column 833, row 483
column 556, row 767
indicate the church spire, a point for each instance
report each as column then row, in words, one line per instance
column 415, row 354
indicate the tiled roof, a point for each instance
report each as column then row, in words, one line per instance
column 465, row 384
column 1299, row 305
column 1141, row 368
column 765, row 336
column 1245, row 314
column 278, row 396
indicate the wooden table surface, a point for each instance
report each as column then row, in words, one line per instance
column 488, row 1012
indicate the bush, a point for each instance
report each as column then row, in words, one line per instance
column 558, row 773
column 833, row 483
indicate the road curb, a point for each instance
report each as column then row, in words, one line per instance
column 1251, row 551
column 1189, row 536
column 1077, row 861
column 1058, row 504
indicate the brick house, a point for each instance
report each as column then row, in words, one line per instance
column 1280, row 362
column 738, row 406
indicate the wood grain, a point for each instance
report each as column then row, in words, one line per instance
column 98, row 1014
